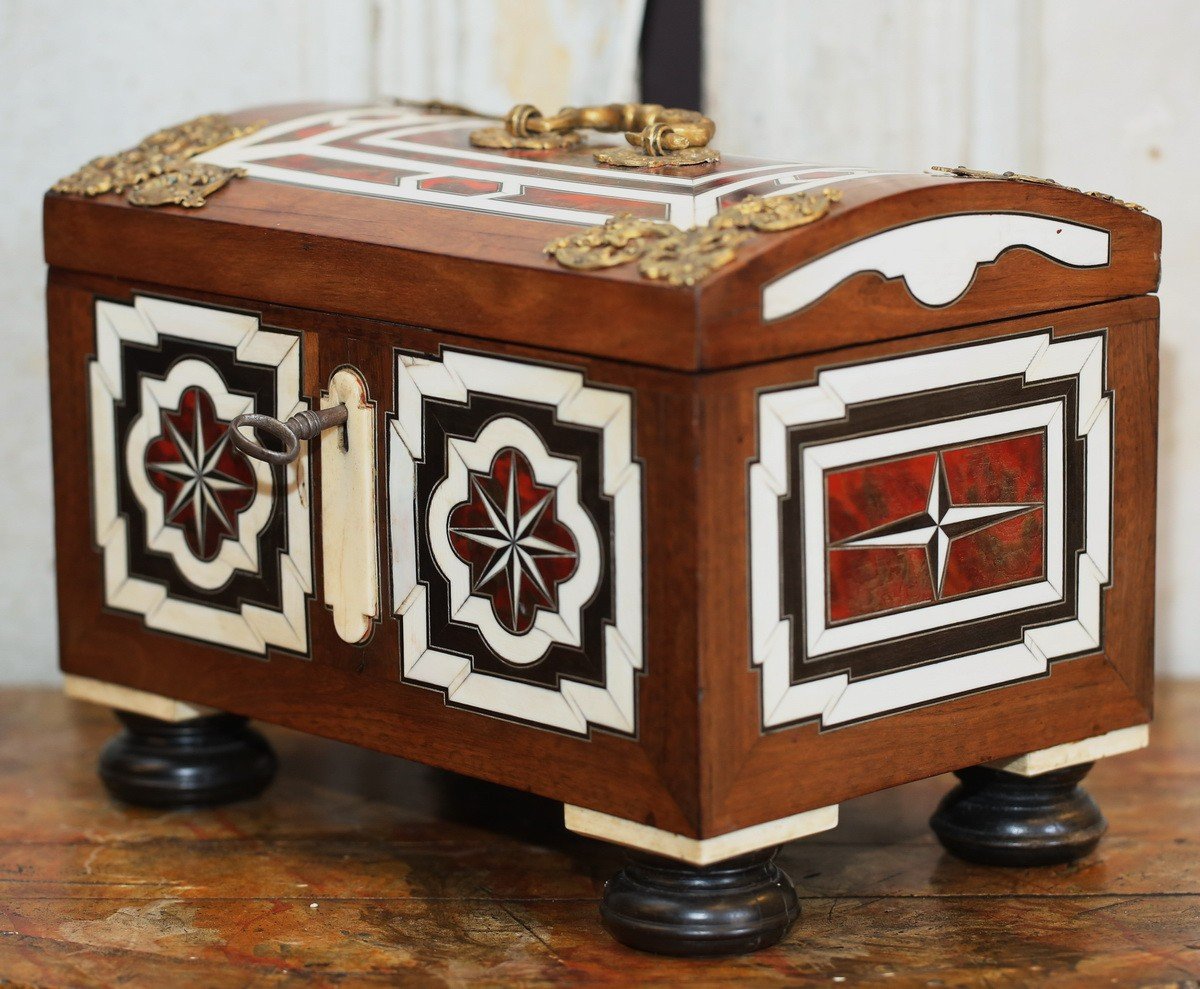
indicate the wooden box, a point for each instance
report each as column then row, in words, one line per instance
column 701, row 543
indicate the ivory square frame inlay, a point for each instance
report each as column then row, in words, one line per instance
column 251, row 593
column 996, row 387
column 570, row 663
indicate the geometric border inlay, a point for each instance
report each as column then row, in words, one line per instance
column 576, row 666
column 812, row 670
column 254, row 594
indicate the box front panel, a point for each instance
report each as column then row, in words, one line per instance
column 947, row 548
column 512, row 635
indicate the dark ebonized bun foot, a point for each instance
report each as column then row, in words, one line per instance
column 201, row 762
column 1000, row 818
column 672, row 908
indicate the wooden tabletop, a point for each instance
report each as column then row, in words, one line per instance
column 358, row 869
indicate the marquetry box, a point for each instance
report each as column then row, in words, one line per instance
column 700, row 522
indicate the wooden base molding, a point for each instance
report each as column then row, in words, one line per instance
column 113, row 695
column 1111, row 743
column 698, row 851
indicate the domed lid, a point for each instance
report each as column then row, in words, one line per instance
column 404, row 213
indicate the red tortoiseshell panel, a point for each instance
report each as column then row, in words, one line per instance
column 863, row 498
column 205, row 483
column 299, row 134
column 594, row 202
column 509, row 535
column 1005, row 471
column 898, row 536
column 379, row 174
column 1009, row 552
column 457, row 185
column 870, row 581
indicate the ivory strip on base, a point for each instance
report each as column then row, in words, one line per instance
column 113, row 695
column 698, row 851
column 1074, row 753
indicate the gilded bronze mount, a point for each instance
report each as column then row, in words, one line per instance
column 962, row 171
column 659, row 136
column 159, row 169
column 685, row 257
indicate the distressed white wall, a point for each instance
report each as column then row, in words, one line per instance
column 78, row 79
column 491, row 54
column 1094, row 93
column 1097, row 93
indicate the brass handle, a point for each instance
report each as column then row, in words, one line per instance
column 661, row 135
column 653, row 127
column 302, row 426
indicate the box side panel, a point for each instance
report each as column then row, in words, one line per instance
column 935, row 553
column 576, row 681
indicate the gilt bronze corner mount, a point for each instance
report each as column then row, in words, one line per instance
column 685, row 257
column 159, row 170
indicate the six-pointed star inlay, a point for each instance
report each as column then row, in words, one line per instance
column 205, row 482
column 509, row 535
column 936, row 528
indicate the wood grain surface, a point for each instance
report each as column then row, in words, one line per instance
column 360, row 870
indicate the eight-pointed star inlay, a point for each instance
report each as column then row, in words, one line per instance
column 508, row 533
column 936, row 528
column 205, row 482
